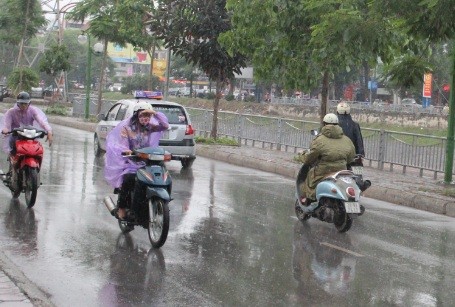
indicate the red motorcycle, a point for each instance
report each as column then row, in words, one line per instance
column 25, row 164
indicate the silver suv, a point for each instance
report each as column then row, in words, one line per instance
column 178, row 139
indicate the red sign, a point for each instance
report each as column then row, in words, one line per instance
column 427, row 80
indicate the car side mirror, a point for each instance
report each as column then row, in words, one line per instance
column 101, row 116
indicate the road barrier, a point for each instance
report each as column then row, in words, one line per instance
column 383, row 148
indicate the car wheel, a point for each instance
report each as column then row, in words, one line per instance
column 96, row 147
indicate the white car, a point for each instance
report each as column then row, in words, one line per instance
column 178, row 139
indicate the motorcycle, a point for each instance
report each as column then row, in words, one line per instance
column 337, row 196
column 356, row 167
column 25, row 164
column 154, row 205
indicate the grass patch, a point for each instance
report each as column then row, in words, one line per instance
column 116, row 96
column 217, row 141
column 449, row 192
column 57, row 109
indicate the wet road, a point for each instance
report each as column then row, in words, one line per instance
column 234, row 240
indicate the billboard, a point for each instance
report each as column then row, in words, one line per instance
column 129, row 55
column 427, row 81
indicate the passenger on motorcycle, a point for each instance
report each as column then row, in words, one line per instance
column 351, row 129
column 23, row 114
column 329, row 152
column 143, row 129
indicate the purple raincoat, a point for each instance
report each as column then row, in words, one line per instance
column 126, row 136
column 15, row 118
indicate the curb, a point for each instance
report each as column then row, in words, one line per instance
column 395, row 196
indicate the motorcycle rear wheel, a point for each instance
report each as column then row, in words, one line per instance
column 302, row 216
column 31, row 186
column 342, row 220
column 158, row 225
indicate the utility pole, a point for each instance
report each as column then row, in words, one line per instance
column 450, row 129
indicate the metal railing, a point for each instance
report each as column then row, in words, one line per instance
column 383, row 147
column 79, row 105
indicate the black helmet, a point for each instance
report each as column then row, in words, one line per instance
column 23, row 97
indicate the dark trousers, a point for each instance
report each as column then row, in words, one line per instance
column 131, row 186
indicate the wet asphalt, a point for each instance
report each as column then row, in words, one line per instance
column 408, row 190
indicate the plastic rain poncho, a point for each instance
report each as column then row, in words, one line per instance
column 15, row 118
column 128, row 136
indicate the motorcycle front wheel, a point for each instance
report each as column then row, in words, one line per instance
column 342, row 220
column 30, row 185
column 158, row 225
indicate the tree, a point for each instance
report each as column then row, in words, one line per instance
column 19, row 21
column 431, row 21
column 103, row 25
column 306, row 43
column 55, row 60
column 133, row 16
column 24, row 76
column 191, row 30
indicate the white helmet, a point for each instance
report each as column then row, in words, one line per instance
column 343, row 108
column 331, row 119
column 142, row 105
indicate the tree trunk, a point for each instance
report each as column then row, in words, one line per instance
column 152, row 54
column 216, row 104
column 366, row 73
column 100, row 85
column 324, row 95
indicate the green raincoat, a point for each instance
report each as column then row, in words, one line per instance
column 330, row 152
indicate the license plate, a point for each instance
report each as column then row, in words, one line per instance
column 352, row 207
column 357, row 170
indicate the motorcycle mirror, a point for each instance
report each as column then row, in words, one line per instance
column 314, row 132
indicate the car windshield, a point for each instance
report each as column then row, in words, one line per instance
column 174, row 114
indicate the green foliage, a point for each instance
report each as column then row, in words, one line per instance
column 196, row 26
column 229, row 97
column 55, row 60
column 250, row 98
column 210, row 96
column 57, row 109
column 22, row 79
column 406, row 72
column 217, row 141
column 103, row 20
column 20, row 20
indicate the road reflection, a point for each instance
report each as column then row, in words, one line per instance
column 136, row 275
column 318, row 266
column 21, row 224
column 182, row 187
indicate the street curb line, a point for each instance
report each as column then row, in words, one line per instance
column 36, row 296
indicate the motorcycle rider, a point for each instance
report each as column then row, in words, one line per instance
column 329, row 152
column 351, row 129
column 143, row 129
column 23, row 114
